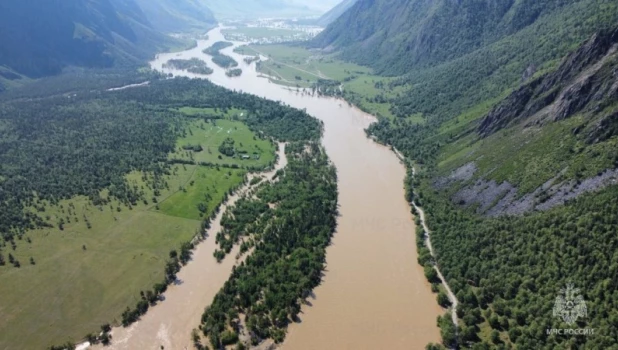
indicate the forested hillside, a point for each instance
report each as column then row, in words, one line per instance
column 508, row 111
column 336, row 12
column 74, row 32
column 178, row 15
column 396, row 35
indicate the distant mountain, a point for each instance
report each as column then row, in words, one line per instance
column 394, row 36
column 244, row 9
column 40, row 37
column 336, row 12
column 318, row 5
column 178, row 15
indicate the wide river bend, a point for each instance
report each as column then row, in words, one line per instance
column 374, row 294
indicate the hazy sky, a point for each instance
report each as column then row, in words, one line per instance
column 323, row 5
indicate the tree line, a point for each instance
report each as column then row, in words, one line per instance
column 289, row 239
column 221, row 60
column 88, row 141
column 55, row 147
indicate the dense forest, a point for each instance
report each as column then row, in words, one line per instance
column 236, row 72
column 76, row 80
column 498, row 87
column 194, row 65
column 221, row 60
column 224, row 61
column 216, row 47
column 507, row 272
column 65, row 141
column 287, row 226
column 88, row 141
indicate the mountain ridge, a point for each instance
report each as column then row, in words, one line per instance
column 394, row 36
column 178, row 15
column 336, row 12
column 86, row 33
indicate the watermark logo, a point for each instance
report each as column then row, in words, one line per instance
column 570, row 305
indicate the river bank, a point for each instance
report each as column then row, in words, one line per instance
column 170, row 322
column 373, row 294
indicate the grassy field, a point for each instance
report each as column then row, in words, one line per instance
column 207, row 186
column 300, row 67
column 311, row 64
column 210, row 136
column 122, row 253
column 88, row 272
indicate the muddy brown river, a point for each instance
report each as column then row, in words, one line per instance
column 373, row 295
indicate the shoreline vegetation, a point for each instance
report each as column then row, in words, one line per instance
column 284, row 228
column 233, row 72
column 449, row 329
column 182, row 256
column 65, row 221
column 194, row 65
column 433, row 115
column 221, row 60
column 424, row 245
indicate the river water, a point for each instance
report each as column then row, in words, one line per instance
column 374, row 294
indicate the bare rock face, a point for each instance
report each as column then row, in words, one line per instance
column 493, row 199
column 511, row 109
column 604, row 129
column 585, row 80
column 461, row 174
column 585, row 83
column 528, row 73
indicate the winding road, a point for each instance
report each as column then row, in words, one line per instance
column 449, row 292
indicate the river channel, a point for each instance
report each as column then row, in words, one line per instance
column 374, row 294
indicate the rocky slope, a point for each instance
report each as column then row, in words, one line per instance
column 587, row 80
column 584, row 88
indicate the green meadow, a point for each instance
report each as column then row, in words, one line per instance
column 209, row 135
column 300, row 67
column 79, row 276
column 201, row 194
column 98, row 263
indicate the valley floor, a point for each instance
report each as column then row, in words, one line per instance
column 96, row 259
